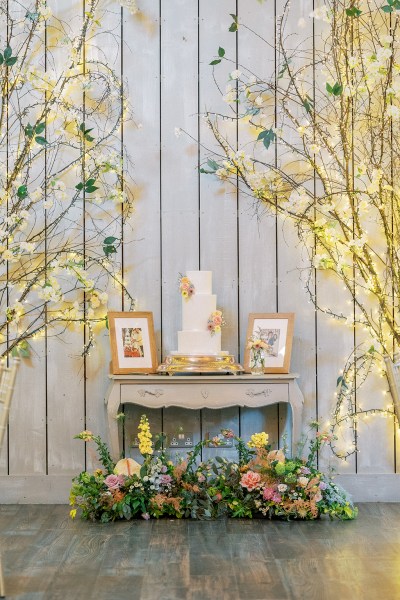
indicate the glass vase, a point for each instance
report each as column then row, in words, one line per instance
column 257, row 361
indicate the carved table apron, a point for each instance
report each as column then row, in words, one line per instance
column 206, row 391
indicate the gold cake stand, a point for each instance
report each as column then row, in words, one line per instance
column 199, row 363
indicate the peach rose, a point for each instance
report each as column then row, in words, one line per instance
column 250, row 480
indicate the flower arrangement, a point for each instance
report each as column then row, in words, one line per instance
column 263, row 483
column 186, row 287
column 215, row 322
column 258, row 347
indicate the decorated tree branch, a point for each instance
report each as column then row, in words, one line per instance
column 64, row 196
column 335, row 169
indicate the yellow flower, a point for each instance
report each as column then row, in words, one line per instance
column 72, row 513
column 258, row 440
column 144, row 436
column 185, row 280
column 184, row 294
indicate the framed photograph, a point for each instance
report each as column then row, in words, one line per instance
column 276, row 333
column 133, row 345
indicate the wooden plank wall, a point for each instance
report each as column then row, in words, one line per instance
column 183, row 221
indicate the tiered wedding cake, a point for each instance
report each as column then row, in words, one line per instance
column 199, row 341
column 199, row 311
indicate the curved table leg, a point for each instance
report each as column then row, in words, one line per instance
column 296, row 400
column 113, row 402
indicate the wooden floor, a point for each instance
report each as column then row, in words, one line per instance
column 46, row 555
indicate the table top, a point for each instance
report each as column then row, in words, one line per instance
column 176, row 378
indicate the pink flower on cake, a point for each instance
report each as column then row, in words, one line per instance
column 250, row 480
column 186, row 287
column 215, row 322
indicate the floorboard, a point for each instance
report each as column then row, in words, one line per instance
column 47, row 556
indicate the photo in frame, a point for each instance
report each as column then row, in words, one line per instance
column 133, row 345
column 276, row 331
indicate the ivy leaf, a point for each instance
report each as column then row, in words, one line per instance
column 79, row 187
column 109, row 240
column 221, row 52
column 353, row 12
column 11, row 61
column 215, row 62
column 22, row 192
column 267, row 136
column 89, row 182
column 7, row 53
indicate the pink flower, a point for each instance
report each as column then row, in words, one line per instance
column 114, row 482
column 268, row 493
column 166, row 479
column 250, row 480
column 227, row 433
column 200, row 477
column 276, row 498
column 217, row 320
column 145, row 516
column 218, row 497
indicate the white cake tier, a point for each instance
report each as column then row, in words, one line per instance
column 199, row 342
column 196, row 311
column 202, row 281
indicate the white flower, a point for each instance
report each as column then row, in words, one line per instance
column 258, row 101
column 322, row 13
column 386, row 40
column 302, row 481
column 27, row 247
column 48, row 204
column 282, row 487
column 393, row 112
column 314, row 148
column 235, row 74
column 178, row 132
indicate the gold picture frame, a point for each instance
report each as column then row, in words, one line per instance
column 133, row 344
column 276, row 329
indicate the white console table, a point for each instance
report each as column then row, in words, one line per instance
column 202, row 391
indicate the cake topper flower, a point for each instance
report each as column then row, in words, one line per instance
column 186, row 287
column 215, row 322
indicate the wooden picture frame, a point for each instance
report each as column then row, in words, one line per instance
column 276, row 329
column 133, row 344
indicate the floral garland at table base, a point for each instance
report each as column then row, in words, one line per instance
column 263, row 483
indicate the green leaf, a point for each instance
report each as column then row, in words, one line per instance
column 89, row 138
column 107, row 326
column 7, row 53
column 221, row 51
column 267, row 136
column 212, row 164
column 1, row 59
column 82, row 127
column 29, row 131
column 110, row 240
column 22, row 192
column 233, row 27
column 79, row 187
column 215, row 62
column 308, row 104
column 387, row 9
column 353, row 12
column 336, row 89
column 11, row 61
column 89, row 189
column 40, row 128
column 32, row 16
column 109, row 250
column 284, row 68
column 234, row 17
column 41, row 140
column 90, row 182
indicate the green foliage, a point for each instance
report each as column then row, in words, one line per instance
column 234, row 26
column 214, row 166
column 22, row 350
column 267, row 136
column 85, row 132
column 88, row 186
column 7, row 58
column 391, row 6
column 109, row 246
column 335, row 90
column 353, row 11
